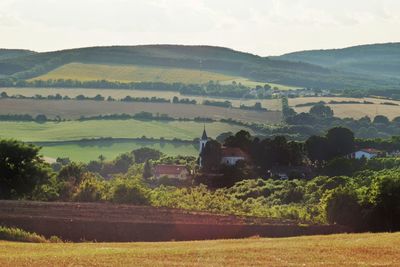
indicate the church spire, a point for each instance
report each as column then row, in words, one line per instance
column 204, row 136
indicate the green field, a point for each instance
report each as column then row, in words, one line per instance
column 270, row 104
column 334, row 250
column 75, row 130
column 87, row 151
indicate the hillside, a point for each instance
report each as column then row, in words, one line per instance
column 205, row 58
column 377, row 59
column 13, row 53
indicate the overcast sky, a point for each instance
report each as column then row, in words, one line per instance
column 263, row 27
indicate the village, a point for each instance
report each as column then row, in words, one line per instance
column 288, row 159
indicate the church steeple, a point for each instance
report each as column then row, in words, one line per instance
column 203, row 141
column 204, row 136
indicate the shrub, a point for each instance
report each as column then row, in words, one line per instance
column 129, row 191
column 16, row 234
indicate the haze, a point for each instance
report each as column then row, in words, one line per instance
column 268, row 27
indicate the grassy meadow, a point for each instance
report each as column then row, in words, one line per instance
column 270, row 104
column 87, row 151
column 75, row 130
column 334, row 250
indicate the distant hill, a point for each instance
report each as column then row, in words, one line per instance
column 215, row 59
column 6, row 68
column 12, row 53
column 377, row 59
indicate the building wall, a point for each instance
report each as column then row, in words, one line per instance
column 360, row 154
column 231, row 160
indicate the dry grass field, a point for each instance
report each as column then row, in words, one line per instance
column 138, row 73
column 133, row 73
column 270, row 104
column 72, row 109
column 351, row 110
column 334, row 250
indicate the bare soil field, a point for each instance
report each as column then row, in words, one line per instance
column 74, row 109
column 123, row 223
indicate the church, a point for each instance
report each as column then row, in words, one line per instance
column 230, row 155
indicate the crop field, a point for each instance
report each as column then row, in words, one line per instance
column 270, row 104
column 75, row 130
column 139, row 73
column 87, row 151
column 74, row 109
column 133, row 73
column 334, row 250
column 352, row 110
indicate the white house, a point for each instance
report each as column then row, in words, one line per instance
column 179, row 172
column 367, row 153
column 231, row 155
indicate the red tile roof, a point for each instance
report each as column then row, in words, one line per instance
column 169, row 169
column 233, row 152
column 370, row 150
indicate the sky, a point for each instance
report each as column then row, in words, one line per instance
column 263, row 27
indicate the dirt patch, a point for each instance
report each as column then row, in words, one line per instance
column 123, row 223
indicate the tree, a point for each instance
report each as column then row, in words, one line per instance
column 41, row 118
column 322, row 111
column 381, row 119
column 122, row 163
column 385, row 198
column 102, row 158
column 341, row 206
column 3, row 95
column 144, row 153
column 211, row 156
column 340, row 141
column 147, row 170
column 241, row 139
column 21, row 169
column 317, row 148
column 175, row 100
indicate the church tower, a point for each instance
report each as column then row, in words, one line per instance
column 203, row 141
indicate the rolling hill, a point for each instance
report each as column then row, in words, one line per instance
column 216, row 60
column 377, row 59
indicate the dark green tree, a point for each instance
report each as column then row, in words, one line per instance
column 147, row 170
column 211, row 156
column 322, row 111
column 21, row 169
column 340, row 141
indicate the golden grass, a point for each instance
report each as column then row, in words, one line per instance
column 133, row 73
column 335, row 250
column 352, row 110
column 138, row 73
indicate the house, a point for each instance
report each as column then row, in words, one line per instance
column 367, row 153
column 231, row 155
column 179, row 172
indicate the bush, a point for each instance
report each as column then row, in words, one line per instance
column 19, row 235
column 90, row 189
column 129, row 191
column 341, row 206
